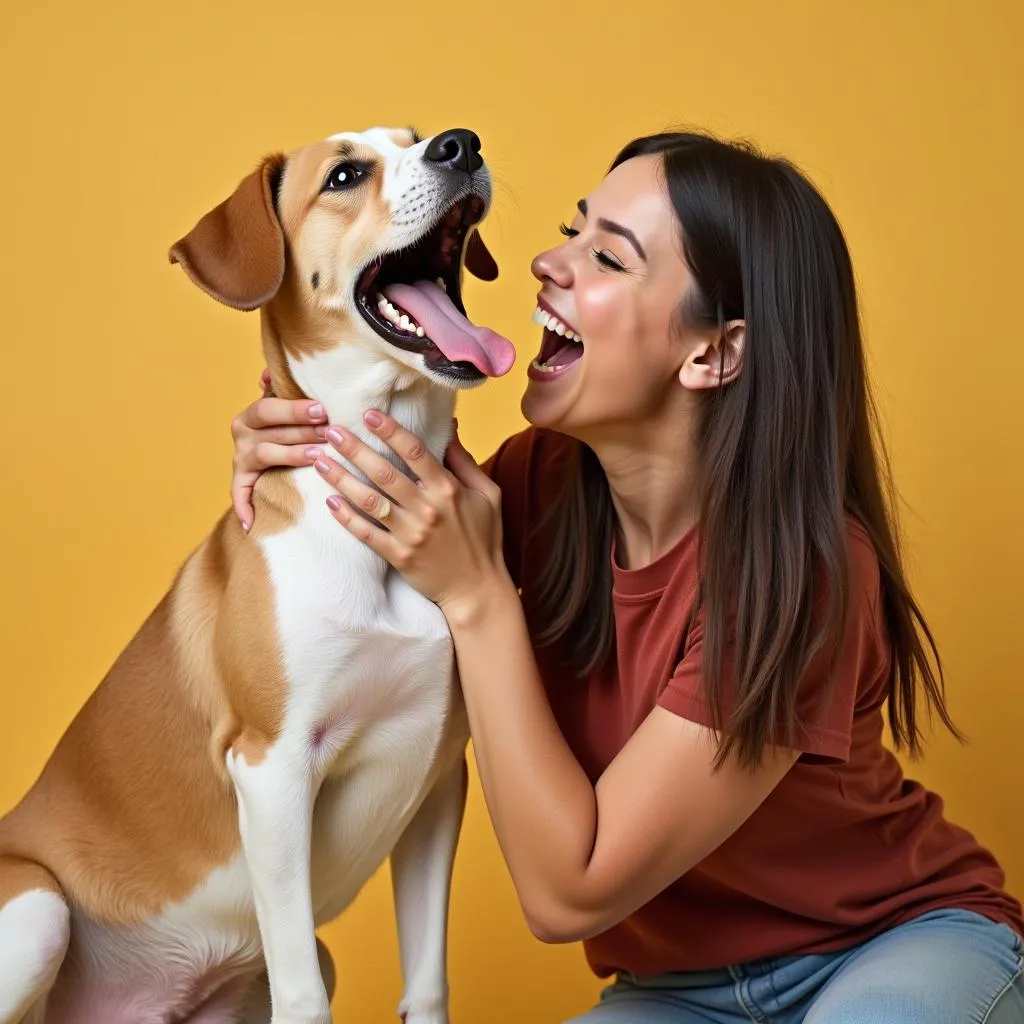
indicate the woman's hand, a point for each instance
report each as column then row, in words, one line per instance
column 443, row 533
column 272, row 432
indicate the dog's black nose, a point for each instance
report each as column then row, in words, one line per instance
column 457, row 149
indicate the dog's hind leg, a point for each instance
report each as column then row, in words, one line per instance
column 421, row 871
column 35, row 926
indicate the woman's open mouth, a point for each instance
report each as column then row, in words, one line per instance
column 560, row 349
column 412, row 299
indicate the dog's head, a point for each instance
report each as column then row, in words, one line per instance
column 360, row 239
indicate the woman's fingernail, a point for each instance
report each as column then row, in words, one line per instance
column 316, row 412
column 313, row 453
column 333, row 502
column 246, row 527
column 373, row 418
column 321, row 432
column 322, row 466
column 335, row 435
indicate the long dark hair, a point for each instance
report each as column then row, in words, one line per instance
column 787, row 451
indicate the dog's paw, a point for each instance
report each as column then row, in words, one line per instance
column 424, row 1011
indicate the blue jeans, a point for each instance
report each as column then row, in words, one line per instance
column 945, row 967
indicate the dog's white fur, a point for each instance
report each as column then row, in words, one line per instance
column 368, row 762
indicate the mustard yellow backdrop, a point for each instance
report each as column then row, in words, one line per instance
column 122, row 122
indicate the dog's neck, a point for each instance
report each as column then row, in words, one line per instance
column 348, row 378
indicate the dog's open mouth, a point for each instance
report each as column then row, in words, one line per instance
column 413, row 300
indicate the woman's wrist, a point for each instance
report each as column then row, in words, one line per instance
column 496, row 595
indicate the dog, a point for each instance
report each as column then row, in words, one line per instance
column 288, row 717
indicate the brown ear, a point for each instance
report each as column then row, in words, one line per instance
column 479, row 262
column 236, row 252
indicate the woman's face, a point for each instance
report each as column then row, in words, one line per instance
column 616, row 282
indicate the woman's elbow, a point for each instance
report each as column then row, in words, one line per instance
column 559, row 925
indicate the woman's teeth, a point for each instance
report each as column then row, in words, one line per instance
column 554, row 364
column 552, row 323
column 395, row 316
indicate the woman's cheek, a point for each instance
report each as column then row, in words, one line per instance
column 599, row 305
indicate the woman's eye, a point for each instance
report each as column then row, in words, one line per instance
column 567, row 231
column 343, row 176
column 607, row 260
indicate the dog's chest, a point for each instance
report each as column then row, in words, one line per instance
column 365, row 657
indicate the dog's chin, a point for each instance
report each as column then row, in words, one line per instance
column 436, row 257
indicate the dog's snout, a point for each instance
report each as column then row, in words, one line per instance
column 457, row 149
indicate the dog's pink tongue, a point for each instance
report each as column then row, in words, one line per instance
column 450, row 331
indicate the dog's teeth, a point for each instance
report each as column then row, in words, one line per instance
column 420, row 333
column 404, row 321
column 441, row 284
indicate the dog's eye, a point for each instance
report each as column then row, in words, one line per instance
column 343, row 176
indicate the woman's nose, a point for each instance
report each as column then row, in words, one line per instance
column 552, row 265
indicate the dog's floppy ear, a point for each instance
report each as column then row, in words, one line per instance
column 236, row 252
column 479, row 262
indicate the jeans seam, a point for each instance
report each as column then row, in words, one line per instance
column 749, row 1007
column 1002, row 992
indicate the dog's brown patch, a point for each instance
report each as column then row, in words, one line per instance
column 202, row 675
column 122, row 844
column 404, row 137
column 246, row 644
column 18, row 876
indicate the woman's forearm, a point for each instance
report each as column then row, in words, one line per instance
column 542, row 804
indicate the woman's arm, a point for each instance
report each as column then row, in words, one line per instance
column 582, row 857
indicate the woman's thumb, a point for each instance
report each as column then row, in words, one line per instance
column 462, row 465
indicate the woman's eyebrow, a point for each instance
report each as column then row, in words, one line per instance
column 615, row 229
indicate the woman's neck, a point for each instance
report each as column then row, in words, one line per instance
column 653, row 482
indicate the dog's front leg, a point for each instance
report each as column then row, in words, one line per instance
column 275, row 809
column 421, row 872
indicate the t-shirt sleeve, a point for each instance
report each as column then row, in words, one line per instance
column 825, row 708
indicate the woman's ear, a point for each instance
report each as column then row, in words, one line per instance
column 715, row 359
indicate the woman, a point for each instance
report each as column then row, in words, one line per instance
column 689, row 703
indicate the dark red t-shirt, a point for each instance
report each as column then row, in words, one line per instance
column 844, row 848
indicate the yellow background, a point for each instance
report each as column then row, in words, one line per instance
column 122, row 122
